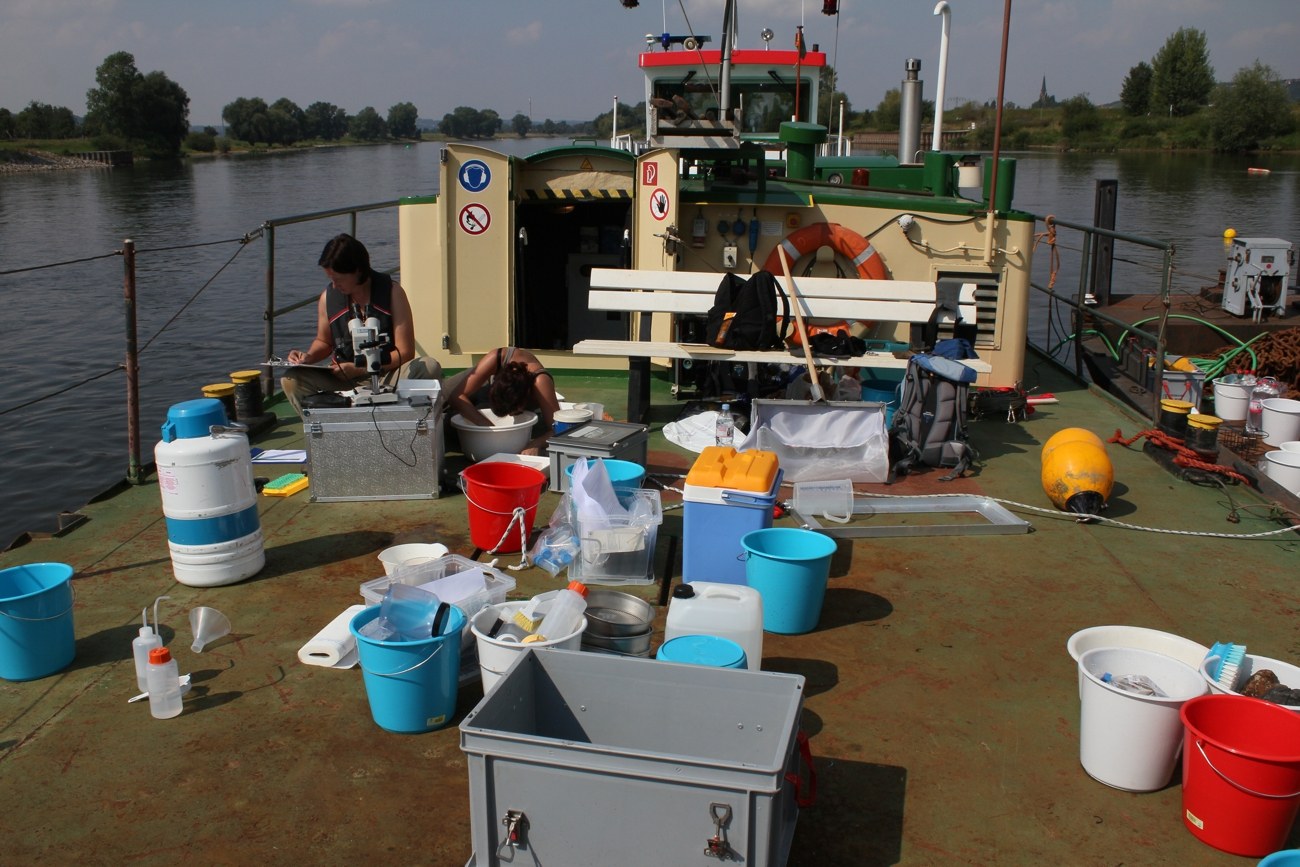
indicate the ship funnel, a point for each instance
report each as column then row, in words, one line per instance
column 909, row 120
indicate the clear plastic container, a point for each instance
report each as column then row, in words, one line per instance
column 1138, row 684
column 1265, row 388
column 140, row 647
column 164, row 683
column 565, row 612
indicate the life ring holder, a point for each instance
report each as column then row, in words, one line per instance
column 844, row 241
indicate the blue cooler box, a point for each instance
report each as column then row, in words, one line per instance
column 715, row 520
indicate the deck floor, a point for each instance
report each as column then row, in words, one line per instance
column 941, row 704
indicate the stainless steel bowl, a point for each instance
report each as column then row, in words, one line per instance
column 626, row 645
column 613, row 614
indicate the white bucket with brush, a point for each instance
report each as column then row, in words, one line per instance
column 495, row 654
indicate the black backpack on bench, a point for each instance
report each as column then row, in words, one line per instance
column 743, row 315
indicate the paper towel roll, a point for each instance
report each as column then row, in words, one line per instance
column 333, row 646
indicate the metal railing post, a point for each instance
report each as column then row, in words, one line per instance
column 134, row 473
column 268, row 331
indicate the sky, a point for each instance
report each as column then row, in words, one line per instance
column 570, row 59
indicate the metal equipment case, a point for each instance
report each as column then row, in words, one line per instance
column 383, row 452
column 622, row 760
column 615, row 440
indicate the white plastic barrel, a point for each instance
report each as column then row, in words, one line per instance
column 205, row 474
column 733, row 611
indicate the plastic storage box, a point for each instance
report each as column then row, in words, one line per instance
column 579, row 743
column 595, row 439
column 624, row 551
column 384, row 452
column 498, row 587
column 727, row 494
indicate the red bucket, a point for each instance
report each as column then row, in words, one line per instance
column 1241, row 772
column 501, row 496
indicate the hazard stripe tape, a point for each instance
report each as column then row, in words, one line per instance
column 558, row 195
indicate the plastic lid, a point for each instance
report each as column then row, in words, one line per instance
column 711, row 650
column 160, row 656
column 218, row 389
column 579, row 588
column 245, row 375
column 683, row 591
column 193, row 418
column 724, row 467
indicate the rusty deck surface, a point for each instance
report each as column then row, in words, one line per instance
column 941, row 704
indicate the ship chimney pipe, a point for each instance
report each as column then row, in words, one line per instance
column 909, row 120
column 941, row 9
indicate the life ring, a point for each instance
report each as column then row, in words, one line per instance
column 844, row 241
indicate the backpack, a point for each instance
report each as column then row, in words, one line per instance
column 743, row 315
column 929, row 427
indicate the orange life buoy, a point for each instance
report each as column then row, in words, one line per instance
column 845, row 241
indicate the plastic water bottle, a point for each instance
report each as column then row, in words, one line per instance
column 140, row 647
column 725, row 431
column 164, row 684
column 565, row 613
column 1138, row 684
column 146, row 641
column 1267, row 387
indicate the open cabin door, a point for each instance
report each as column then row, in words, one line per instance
column 573, row 213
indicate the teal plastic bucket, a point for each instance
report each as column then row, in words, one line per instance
column 36, row 634
column 884, row 391
column 1282, row 858
column 411, row 685
column 789, row 568
column 712, row 650
column 626, row 476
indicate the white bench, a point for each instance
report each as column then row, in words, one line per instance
column 692, row 293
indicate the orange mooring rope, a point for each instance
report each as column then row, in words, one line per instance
column 1054, row 255
column 1183, row 456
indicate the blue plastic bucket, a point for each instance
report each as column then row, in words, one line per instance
column 411, row 685
column 789, row 568
column 36, row 635
column 626, row 476
column 884, row 391
column 703, row 650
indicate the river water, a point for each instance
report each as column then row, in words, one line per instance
column 201, row 292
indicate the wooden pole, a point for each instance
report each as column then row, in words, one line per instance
column 796, row 302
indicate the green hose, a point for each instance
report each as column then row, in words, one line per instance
column 1208, row 364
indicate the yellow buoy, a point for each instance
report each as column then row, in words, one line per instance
column 1077, row 476
column 1229, row 233
column 1070, row 435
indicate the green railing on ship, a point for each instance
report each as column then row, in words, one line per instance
column 1093, row 259
column 271, row 312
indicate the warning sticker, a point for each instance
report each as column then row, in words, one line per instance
column 659, row 204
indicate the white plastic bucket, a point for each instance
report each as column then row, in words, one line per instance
column 1283, row 467
column 1287, row 674
column 1281, row 420
column 1126, row 740
column 1231, row 400
column 495, row 655
column 1138, row 637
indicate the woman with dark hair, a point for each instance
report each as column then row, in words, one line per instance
column 355, row 291
column 511, row 380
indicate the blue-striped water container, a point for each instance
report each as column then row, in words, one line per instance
column 205, row 475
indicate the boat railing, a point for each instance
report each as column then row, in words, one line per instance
column 1103, row 257
column 271, row 312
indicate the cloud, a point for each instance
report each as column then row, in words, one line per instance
column 525, row 35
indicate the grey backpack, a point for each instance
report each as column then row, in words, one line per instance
column 929, row 427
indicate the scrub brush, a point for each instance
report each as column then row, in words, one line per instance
column 527, row 618
column 1225, row 669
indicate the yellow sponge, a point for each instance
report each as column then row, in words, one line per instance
column 285, row 486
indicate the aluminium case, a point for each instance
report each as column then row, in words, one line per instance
column 382, row 452
column 621, row 760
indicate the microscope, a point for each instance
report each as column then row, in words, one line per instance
column 368, row 353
